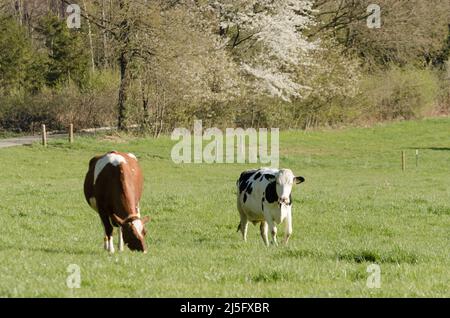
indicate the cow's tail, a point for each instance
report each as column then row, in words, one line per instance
column 239, row 227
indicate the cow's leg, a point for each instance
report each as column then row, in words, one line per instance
column 288, row 227
column 264, row 232
column 274, row 235
column 109, row 246
column 272, row 226
column 243, row 226
column 106, row 243
column 121, row 244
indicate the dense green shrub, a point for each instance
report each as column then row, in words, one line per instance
column 93, row 106
column 399, row 93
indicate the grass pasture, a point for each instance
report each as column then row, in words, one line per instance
column 356, row 208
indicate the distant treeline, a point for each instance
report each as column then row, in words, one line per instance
column 249, row 63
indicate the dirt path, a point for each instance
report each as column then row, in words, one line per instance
column 25, row 140
column 28, row 140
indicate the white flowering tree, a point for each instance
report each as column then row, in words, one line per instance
column 268, row 41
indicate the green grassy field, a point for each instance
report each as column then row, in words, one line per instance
column 356, row 208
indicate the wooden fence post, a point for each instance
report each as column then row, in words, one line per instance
column 71, row 133
column 44, row 136
column 417, row 157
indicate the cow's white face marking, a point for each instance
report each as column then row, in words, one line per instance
column 132, row 156
column 139, row 226
column 93, row 203
column 285, row 179
column 112, row 158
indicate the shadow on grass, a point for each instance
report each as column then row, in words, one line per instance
column 432, row 148
column 303, row 253
column 271, row 277
column 50, row 250
column 357, row 256
column 362, row 256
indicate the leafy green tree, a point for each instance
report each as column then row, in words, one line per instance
column 67, row 57
column 20, row 65
column 412, row 31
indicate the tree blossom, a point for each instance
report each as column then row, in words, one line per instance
column 267, row 38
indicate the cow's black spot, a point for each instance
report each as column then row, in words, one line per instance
column 257, row 175
column 269, row 177
column 243, row 179
column 262, row 204
column 245, row 197
column 271, row 192
column 249, row 188
column 242, row 186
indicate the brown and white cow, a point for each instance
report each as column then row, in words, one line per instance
column 113, row 187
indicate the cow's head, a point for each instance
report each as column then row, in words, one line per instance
column 285, row 179
column 133, row 230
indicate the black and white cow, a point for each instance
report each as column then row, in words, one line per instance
column 264, row 196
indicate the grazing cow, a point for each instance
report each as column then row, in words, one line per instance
column 113, row 187
column 264, row 196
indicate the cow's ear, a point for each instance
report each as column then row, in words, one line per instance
column 145, row 219
column 299, row 180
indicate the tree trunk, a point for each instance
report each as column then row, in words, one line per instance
column 19, row 9
column 144, row 96
column 161, row 117
column 105, row 44
column 123, row 91
column 124, row 61
column 157, row 109
column 91, row 45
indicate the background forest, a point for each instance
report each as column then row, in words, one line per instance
column 160, row 64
